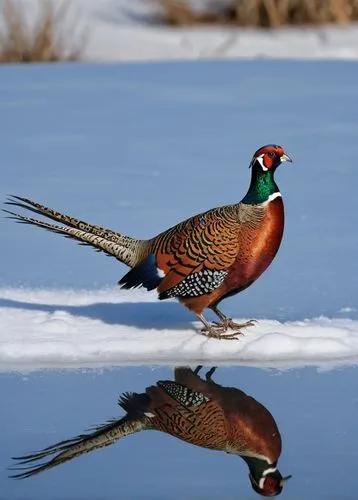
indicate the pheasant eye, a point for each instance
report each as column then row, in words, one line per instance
column 271, row 154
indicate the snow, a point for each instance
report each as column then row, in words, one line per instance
column 137, row 148
column 118, row 30
column 115, row 43
column 57, row 329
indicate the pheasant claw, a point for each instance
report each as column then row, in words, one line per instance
column 218, row 332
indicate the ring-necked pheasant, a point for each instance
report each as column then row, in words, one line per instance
column 202, row 260
column 196, row 411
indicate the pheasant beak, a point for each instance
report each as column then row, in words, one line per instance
column 284, row 479
column 285, row 157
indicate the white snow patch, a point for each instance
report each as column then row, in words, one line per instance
column 126, row 31
column 36, row 332
column 111, row 42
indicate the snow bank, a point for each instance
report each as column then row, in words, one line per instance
column 110, row 43
column 125, row 30
column 65, row 328
column 128, row 31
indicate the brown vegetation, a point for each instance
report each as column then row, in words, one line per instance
column 49, row 39
column 260, row 13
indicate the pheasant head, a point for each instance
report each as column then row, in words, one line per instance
column 269, row 157
column 263, row 165
column 270, row 483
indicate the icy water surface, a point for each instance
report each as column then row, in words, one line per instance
column 316, row 414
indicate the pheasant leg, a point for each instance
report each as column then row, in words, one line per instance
column 229, row 323
column 216, row 331
column 210, row 373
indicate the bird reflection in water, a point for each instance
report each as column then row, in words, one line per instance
column 195, row 410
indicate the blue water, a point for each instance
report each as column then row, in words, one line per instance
column 315, row 412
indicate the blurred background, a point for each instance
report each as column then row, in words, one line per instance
column 114, row 30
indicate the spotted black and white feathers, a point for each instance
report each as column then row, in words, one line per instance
column 196, row 284
column 183, row 395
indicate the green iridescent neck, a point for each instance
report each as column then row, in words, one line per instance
column 261, row 187
column 257, row 466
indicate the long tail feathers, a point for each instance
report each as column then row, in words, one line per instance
column 32, row 206
column 103, row 435
column 123, row 248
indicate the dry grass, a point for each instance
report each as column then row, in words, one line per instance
column 50, row 38
column 260, row 13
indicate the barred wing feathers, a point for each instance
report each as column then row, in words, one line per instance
column 195, row 255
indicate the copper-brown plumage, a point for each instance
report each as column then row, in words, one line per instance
column 249, row 427
column 197, row 411
column 199, row 261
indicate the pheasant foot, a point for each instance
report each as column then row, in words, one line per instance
column 216, row 331
column 229, row 323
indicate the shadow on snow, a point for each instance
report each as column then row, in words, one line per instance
column 159, row 315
